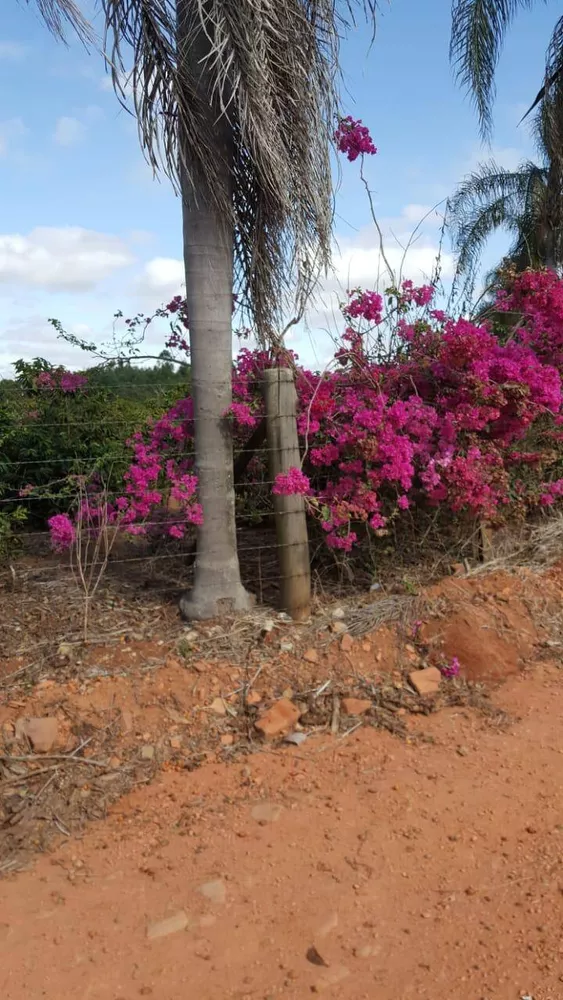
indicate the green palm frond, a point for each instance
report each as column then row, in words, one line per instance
column 273, row 68
column 478, row 31
column 59, row 15
column 493, row 198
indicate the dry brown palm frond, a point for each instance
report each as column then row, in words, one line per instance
column 62, row 14
column 274, row 71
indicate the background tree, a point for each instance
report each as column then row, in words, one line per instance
column 525, row 202
column 236, row 103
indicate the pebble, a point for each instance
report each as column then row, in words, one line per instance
column 147, row 752
column 170, row 925
column 330, row 977
column 326, row 928
column 253, row 698
column 346, row 643
column 267, row 812
column 426, row 681
column 278, row 720
column 218, row 706
column 311, row 656
column 227, row 740
column 355, row 706
column 338, row 627
column 215, row 891
column 126, row 720
column 41, row 733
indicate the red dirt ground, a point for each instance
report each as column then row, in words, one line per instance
column 376, row 868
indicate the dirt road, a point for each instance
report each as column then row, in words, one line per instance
column 373, row 868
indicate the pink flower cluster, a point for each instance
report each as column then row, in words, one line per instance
column 420, row 296
column 455, row 418
column 353, row 139
column 451, row 669
column 58, row 378
column 364, row 305
column 62, row 532
column 291, row 483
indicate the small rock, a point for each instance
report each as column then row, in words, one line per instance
column 176, row 742
column 227, row 740
column 346, row 643
column 66, row 651
column 338, row 613
column 314, row 956
column 311, row 656
column 126, row 720
column 296, row 739
column 286, row 646
column 278, row 720
column 268, row 626
column 287, row 693
column 355, row 706
column 267, row 812
column 329, row 978
column 41, row 733
column 170, row 925
column 218, row 706
column 426, row 681
column 365, row 951
column 215, row 891
column 338, row 627
column 366, row 647
column 190, row 636
column 147, row 752
column 329, row 925
column 253, row 698
column 462, row 751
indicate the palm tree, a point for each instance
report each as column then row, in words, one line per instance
column 526, row 202
column 493, row 198
column 235, row 101
column 478, row 31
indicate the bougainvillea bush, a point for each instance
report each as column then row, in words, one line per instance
column 454, row 420
column 419, row 411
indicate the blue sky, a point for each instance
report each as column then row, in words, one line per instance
column 85, row 230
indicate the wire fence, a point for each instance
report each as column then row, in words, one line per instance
column 139, row 577
column 48, row 443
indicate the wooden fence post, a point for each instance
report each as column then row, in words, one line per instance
column 291, row 521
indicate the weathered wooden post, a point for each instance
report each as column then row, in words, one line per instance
column 291, row 521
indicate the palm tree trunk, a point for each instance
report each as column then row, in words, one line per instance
column 208, row 258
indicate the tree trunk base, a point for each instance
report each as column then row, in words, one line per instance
column 216, row 593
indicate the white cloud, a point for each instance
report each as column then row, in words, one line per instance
column 11, row 131
column 68, row 131
column 68, row 258
column 33, row 336
column 12, row 51
column 161, row 277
